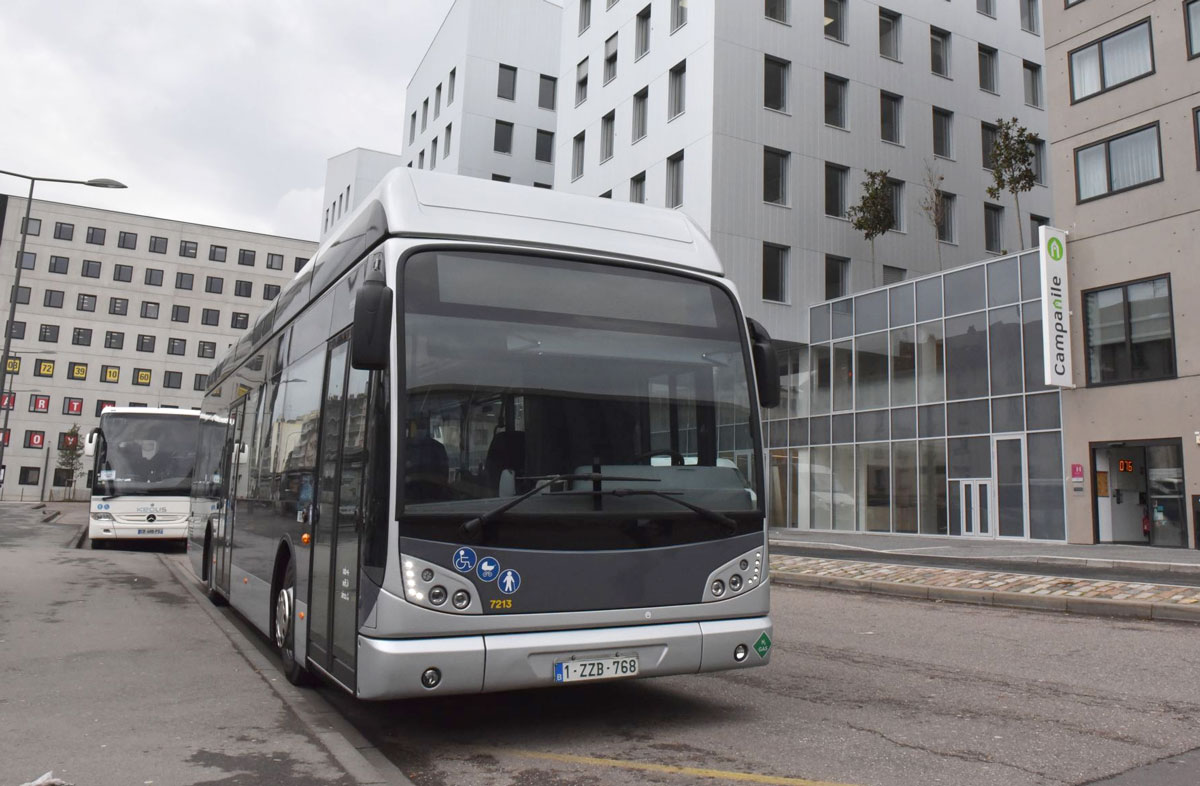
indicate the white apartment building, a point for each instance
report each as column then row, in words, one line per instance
column 759, row 118
column 119, row 309
column 483, row 101
column 350, row 176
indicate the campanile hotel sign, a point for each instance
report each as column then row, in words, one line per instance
column 1056, row 307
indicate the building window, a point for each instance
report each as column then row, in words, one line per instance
column 145, row 343
column 120, row 272
column 1036, row 222
column 835, row 190
column 270, row 291
column 184, row 280
column 95, row 236
column 28, row 260
column 837, row 274
column 114, row 339
column 678, row 14
column 274, row 261
column 103, row 404
column 154, row 277
column 214, row 285
column 641, row 42
column 17, row 332
column 48, row 334
column 608, row 125
column 987, row 68
column 173, row 379
column 544, row 148
column 243, row 289
column 987, row 143
column 1111, row 62
column 502, row 137
column 640, row 100
column 889, row 34
column 637, row 188
column 610, row 59
column 776, row 10
column 206, row 349
column 1192, row 22
column 187, row 248
column 993, row 228
column 44, row 368
column 446, row 140
column 835, row 101
column 945, row 216
column 939, row 51
column 77, row 371
column 245, row 257
column 32, row 476
column 110, row 374
column 72, row 406
column 32, row 226
column 542, row 185
column 675, row 180
column 775, row 83
column 81, row 337
column 85, row 302
column 53, row 298
column 987, row 7
column 142, row 378
column 607, row 194
column 63, row 231
column 412, row 127
column 217, row 253
column 893, row 275
column 1118, row 164
column 581, row 80
column 577, row 150
column 239, row 320
column 585, row 15
column 835, row 20
column 424, row 114
column 158, row 245
column 200, row 382
column 20, row 295
column 1033, row 84
column 450, row 87
column 39, row 402
column 149, row 310
column 506, row 83
column 943, row 136
column 1129, row 332
column 210, row 317
column 1030, row 15
column 677, row 90
column 547, row 97
column 1039, row 161
column 59, row 265
column 896, row 192
column 181, row 313
column 774, row 273
column 299, row 263
column 775, row 176
column 889, row 117
column 437, row 102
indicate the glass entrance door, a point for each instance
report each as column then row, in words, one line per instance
column 1011, row 487
column 976, row 500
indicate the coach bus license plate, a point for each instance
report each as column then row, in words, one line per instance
column 150, row 532
column 596, row 669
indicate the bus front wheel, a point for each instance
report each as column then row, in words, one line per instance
column 284, row 627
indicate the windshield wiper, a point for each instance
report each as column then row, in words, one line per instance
column 472, row 526
column 130, row 493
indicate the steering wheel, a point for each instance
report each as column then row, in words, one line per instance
column 676, row 458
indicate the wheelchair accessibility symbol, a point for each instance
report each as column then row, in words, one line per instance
column 464, row 560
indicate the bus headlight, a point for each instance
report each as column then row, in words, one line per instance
column 735, row 582
column 718, row 588
column 102, row 516
column 437, row 595
column 461, row 599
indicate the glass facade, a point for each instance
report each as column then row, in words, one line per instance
column 920, row 408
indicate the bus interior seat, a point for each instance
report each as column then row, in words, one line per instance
column 427, row 469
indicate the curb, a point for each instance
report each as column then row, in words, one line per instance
column 76, row 541
column 51, row 516
column 363, row 762
column 1079, row 562
column 1099, row 607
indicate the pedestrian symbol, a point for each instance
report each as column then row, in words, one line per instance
column 763, row 645
column 510, row 581
column 464, row 560
column 488, row 568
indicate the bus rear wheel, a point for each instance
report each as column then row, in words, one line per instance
column 284, row 627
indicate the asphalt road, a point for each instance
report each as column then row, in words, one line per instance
column 861, row 690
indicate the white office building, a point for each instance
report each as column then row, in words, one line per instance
column 759, row 118
column 350, row 176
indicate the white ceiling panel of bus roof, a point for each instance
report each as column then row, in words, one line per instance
column 483, row 196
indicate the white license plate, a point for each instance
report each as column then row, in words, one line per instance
column 150, row 532
column 596, row 669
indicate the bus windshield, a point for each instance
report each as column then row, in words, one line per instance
column 520, row 367
column 145, row 455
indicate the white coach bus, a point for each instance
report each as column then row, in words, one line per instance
column 493, row 437
column 142, row 477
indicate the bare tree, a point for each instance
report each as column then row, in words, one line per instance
column 873, row 214
column 1012, row 164
column 933, row 204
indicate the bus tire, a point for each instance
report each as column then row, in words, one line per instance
column 283, row 615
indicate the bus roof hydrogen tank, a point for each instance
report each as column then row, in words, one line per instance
column 493, row 437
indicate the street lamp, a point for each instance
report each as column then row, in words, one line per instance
column 102, row 182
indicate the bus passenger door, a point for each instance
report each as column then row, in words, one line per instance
column 222, row 542
column 333, row 611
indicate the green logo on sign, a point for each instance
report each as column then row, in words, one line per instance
column 1054, row 248
column 763, row 645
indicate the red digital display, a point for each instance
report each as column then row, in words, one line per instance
column 1125, row 465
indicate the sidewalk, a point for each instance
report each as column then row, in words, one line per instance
column 1044, row 576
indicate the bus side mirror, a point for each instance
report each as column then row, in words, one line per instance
column 766, row 365
column 89, row 443
column 370, row 339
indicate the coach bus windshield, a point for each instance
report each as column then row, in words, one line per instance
column 146, row 455
column 521, row 368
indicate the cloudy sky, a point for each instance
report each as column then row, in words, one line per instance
column 219, row 112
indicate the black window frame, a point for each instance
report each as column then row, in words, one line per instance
column 81, row 301
column 206, row 349
column 239, row 316
column 783, row 253
column 188, row 278
column 64, row 231
column 48, row 333
column 153, row 277
column 145, row 342
column 270, row 291
column 1190, row 34
column 173, row 376
column 53, row 298
column 179, row 310
column 123, row 310
column 149, row 309
column 114, row 339
column 81, row 337
column 157, row 245
column 177, row 343
column 96, row 236
column 214, row 253
column 59, row 261
column 246, row 257
column 274, row 261
column 127, row 240
column 220, row 285
column 120, row 269
column 1124, row 286
column 1108, row 163
column 188, row 249
column 1105, row 88
column 216, row 317
column 501, row 70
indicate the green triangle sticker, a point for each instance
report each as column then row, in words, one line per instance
column 763, row 645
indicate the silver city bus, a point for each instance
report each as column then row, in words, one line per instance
column 493, row 437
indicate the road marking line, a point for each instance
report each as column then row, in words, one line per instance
column 747, row 777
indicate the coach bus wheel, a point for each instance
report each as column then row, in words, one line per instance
column 285, row 629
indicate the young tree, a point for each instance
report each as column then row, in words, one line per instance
column 1012, row 164
column 873, row 214
column 70, row 455
column 932, row 204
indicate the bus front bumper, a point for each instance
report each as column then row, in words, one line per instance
column 116, row 530
column 393, row 668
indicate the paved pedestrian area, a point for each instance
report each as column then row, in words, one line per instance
column 1094, row 596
